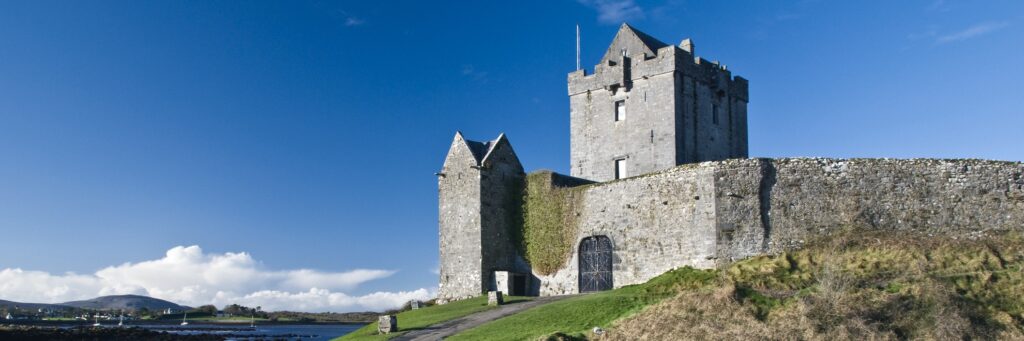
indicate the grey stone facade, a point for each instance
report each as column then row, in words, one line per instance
column 479, row 190
column 691, row 197
column 712, row 213
column 678, row 109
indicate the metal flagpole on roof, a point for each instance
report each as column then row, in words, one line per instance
column 577, row 47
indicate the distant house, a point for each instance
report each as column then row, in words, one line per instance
column 19, row 317
column 221, row 313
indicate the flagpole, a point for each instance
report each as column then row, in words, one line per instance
column 577, row 47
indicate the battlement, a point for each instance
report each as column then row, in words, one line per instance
column 650, row 105
column 612, row 73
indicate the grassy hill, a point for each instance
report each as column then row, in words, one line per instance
column 125, row 302
column 417, row 319
column 854, row 286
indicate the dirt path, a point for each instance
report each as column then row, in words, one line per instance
column 448, row 328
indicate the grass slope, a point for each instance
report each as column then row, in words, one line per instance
column 574, row 316
column 855, row 286
column 876, row 287
column 420, row 318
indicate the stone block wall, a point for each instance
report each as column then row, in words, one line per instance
column 710, row 214
column 656, row 222
column 679, row 109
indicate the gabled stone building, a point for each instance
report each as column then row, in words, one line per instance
column 660, row 179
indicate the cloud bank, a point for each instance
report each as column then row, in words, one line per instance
column 187, row 275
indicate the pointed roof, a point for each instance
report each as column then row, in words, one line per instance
column 481, row 150
column 633, row 41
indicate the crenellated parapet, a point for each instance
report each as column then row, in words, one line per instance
column 612, row 74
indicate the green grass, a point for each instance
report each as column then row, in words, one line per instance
column 420, row 318
column 848, row 287
column 574, row 316
column 863, row 285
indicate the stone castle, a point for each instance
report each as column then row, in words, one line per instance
column 660, row 179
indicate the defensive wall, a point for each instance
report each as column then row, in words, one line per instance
column 711, row 213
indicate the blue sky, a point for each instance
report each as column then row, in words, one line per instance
column 301, row 137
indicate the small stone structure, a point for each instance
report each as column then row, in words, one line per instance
column 387, row 324
column 660, row 173
column 495, row 298
column 511, row 283
column 414, row 304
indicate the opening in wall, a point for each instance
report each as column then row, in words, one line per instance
column 620, row 168
column 620, row 110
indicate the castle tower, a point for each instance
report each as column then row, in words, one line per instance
column 650, row 106
column 479, row 193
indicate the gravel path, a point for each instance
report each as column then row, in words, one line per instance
column 448, row 328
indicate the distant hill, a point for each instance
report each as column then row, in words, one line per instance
column 31, row 306
column 125, row 302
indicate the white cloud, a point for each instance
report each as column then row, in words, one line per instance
column 615, row 11
column 353, row 21
column 187, row 275
column 971, row 32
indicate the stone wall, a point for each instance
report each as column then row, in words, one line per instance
column 459, row 223
column 709, row 214
column 679, row 109
column 479, row 195
column 501, row 186
column 656, row 222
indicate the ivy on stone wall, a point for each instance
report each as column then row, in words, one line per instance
column 549, row 224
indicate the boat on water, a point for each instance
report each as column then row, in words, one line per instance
column 184, row 320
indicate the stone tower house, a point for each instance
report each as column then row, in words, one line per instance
column 647, row 108
column 650, row 106
column 480, row 188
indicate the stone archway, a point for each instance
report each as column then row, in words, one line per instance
column 595, row 264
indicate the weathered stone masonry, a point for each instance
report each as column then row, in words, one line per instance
column 671, row 211
column 709, row 214
column 679, row 108
column 479, row 190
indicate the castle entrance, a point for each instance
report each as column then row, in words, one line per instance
column 595, row 256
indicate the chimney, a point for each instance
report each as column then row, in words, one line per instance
column 687, row 45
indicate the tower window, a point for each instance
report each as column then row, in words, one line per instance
column 620, row 110
column 714, row 114
column 620, row 169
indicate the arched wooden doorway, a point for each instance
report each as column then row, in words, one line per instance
column 595, row 256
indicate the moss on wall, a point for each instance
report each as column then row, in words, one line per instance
column 549, row 224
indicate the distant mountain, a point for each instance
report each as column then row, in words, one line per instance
column 31, row 306
column 125, row 302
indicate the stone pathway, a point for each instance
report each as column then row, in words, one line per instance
column 449, row 328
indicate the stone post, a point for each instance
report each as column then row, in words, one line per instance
column 495, row 298
column 387, row 324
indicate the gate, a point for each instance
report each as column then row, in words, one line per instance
column 595, row 257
